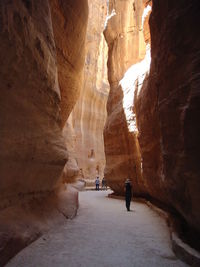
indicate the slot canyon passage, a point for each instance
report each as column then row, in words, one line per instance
column 106, row 88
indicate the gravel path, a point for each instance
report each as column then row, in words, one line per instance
column 103, row 234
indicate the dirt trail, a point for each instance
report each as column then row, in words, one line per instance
column 103, row 234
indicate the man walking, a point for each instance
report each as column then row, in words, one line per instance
column 128, row 193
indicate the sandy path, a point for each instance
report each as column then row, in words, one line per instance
column 103, row 234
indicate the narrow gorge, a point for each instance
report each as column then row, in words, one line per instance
column 86, row 121
column 97, row 88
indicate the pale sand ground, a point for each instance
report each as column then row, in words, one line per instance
column 103, row 234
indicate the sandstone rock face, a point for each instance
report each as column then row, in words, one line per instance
column 87, row 119
column 127, row 46
column 32, row 150
column 168, row 109
column 69, row 25
column 156, row 142
column 71, row 170
column 40, row 76
column 25, row 222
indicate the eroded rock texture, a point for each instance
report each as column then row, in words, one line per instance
column 168, row 109
column 42, row 57
column 33, row 152
column 127, row 46
column 156, row 144
column 87, row 119
column 69, row 25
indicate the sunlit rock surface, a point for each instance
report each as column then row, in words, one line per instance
column 124, row 34
column 88, row 117
column 69, row 27
column 40, row 76
column 152, row 131
column 168, row 109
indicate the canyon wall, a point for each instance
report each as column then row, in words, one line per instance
column 40, row 75
column 126, row 43
column 156, row 142
column 86, row 122
column 168, row 109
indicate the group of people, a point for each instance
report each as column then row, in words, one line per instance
column 103, row 183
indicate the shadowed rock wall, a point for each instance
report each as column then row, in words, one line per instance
column 39, row 75
column 165, row 110
column 42, row 58
column 168, row 109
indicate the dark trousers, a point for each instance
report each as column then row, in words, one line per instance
column 128, row 202
column 97, row 187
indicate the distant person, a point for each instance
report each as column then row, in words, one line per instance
column 103, row 183
column 128, row 193
column 97, row 182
